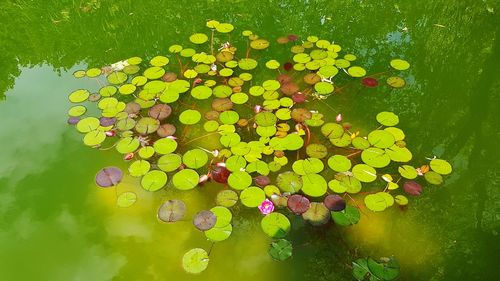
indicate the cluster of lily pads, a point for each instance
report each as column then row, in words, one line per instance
column 198, row 114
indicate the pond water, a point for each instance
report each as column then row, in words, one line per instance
column 55, row 224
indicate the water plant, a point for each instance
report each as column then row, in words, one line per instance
column 206, row 112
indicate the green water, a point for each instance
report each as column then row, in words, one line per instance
column 56, row 225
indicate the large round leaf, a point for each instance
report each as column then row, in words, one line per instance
column 186, row 179
column 195, row 261
column 275, row 225
column 195, row 158
column 154, row 180
column 252, row 196
column 172, row 211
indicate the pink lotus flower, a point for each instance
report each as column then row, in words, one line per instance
column 266, row 207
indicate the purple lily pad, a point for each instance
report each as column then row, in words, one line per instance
column 172, row 210
column 262, row 180
column 109, row 176
column 73, row 120
column 334, row 203
column 298, row 204
column 412, row 188
column 204, row 220
column 107, row 121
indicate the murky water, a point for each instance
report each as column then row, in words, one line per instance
column 56, row 225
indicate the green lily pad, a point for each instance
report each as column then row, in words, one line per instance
column 316, row 150
column 356, row 71
column 408, row 172
column 190, row 117
column 239, row 180
column 229, row 117
column 252, row 196
column 375, row 157
column 247, row 64
column 349, row 216
column 195, row 261
column 217, row 234
column 441, row 166
column 400, row 64
column 195, row 158
column 139, row 168
column 154, row 180
column 323, row 88
column 185, row 179
column 275, row 225
column 127, row 145
column 314, row 185
column 223, row 214
column 289, row 182
column 79, row 96
column 147, row 125
column 201, row 92
column 381, row 138
column 265, row 119
column 308, row 166
column 126, row 199
column 280, row 250
column 364, row 173
column 198, row 38
column 339, row 163
column 332, row 130
column 387, row 118
column 433, row 178
column 117, row 77
column 387, row 270
column 169, row 162
column 165, row 146
column 94, row 138
column 226, row 198
column 317, row 214
column 399, row 154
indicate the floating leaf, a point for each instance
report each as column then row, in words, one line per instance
column 280, row 250
column 387, row 118
column 217, row 234
column 433, row 178
column 332, row 130
column 247, row 63
column 349, row 216
column 127, row 145
column 165, row 146
column 109, row 176
column 190, row 117
column 381, row 139
column 275, row 225
column 172, row 211
column 147, row 125
column 369, row 82
column 339, row 163
column 317, row 214
column 298, row 204
column 387, row 270
column 224, row 27
column 252, row 196
column 314, row 185
column 396, row 82
column 223, row 215
column 79, row 96
column 364, row 173
column 169, row 162
column 226, row 198
column 308, row 166
column 334, row 203
column 186, row 179
column 139, row 168
column 166, row 130
column 441, row 166
column 94, row 138
column 154, row 180
column 315, row 150
column 160, row 111
column 323, row 88
column 400, row 64
column 195, row 158
column 412, row 188
column 239, row 180
column 204, row 220
column 289, row 182
column 195, row 261
column 408, row 172
column 259, row 44
column 126, row 199
column 201, row 92
column 198, row 38
column 265, row 119
column 356, row 71
column 375, row 157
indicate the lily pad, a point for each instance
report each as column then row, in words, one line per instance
column 364, row 173
column 239, row 180
column 226, row 198
column 280, row 250
column 172, row 210
column 400, row 64
column 154, row 180
column 334, row 203
column 289, row 182
column 252, row 196
column 190, row 117
column 298, row 204
column 412, row 188
column 441, row 166
column 275, row 225
column 349, row 216
column 195, row 158
column 317, row 214
column 387, row 118
column 109, row 176
column 126, row 199
column 185, row 179
column 195, row 261
column 204, row 220
column 314, row 185
column 339, row 163
column 169, row 162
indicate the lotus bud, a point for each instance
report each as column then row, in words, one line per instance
column 213, row 67
column 338, row 118
column 419, row 171
column 171, row 137
column 221, row 164
column 197, row 81
column 110, row 133
column 128, row 156
column 203, row 178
